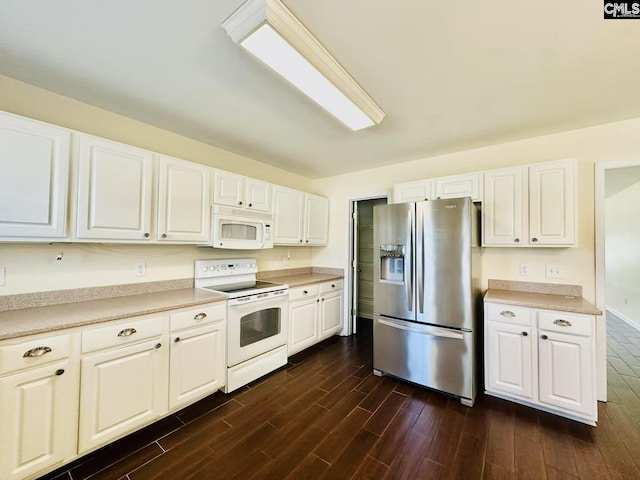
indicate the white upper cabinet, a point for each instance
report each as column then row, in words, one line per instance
column 457, row 186
column 413, row 191
column 183, row 201
column 530, row 206
column 503, row 208
column 300, row 218
column 316, row 220
column 552, row 203
column 241, row 192
column 34, row 172
column 288, row 213
column 114, row 190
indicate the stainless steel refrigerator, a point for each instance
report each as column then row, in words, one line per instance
column 426, row 290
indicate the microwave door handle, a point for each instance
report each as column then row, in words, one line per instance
column 264, row 234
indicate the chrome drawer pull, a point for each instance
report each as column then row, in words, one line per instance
column 127, row 332
column 507, row 313
column 200, row 316
column 36, row 352
column 562, row 323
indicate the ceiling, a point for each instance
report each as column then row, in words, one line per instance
column 449, row 75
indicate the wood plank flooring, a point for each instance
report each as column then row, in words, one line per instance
column 325, row 416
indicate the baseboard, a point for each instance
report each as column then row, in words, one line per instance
column 623, row 317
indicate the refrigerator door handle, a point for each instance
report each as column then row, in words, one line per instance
column 420, row 259
column 425, row 330
column 408, row 267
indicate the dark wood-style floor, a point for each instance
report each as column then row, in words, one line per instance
column 326, row 416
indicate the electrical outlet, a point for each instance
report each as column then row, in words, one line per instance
column 524, row 270
column 555, row 271
column 3, row 276
column 140, row 269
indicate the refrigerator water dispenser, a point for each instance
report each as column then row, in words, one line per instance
column 392, row 264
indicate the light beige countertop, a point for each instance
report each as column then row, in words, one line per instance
column 304, row 279
column 29, row 321
column 547, row 301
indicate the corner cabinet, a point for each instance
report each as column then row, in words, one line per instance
column 530, row 206
column 114, row 190
column 39, row 381
column 183, row 201
column 542, row 358
column 299, row 218
column 315, row 313
column 33, row 179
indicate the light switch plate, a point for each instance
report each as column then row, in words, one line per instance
column 524, row 270
column 140, row 269
column 555, row 271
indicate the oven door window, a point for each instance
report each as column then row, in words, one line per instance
column 259, row 325
column 238, row 231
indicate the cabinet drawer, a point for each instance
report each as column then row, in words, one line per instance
column 122, row 333
column 195, row 317
column 498, row 312
column 34, row 352
column 570, row 323
column 334, row 286
column 303, row 292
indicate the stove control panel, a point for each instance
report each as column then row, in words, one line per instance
column 225, row 267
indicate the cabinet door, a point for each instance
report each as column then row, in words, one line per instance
column 412, row 191
column 456, row 186
column 330, row 315
column 228, row 189
column 288, row 211
column 198, row 364
column 566, row 372
column 34, row 172
column 503, row 211
column 183, row 201
column 121, row 390
column 39, row 418
column 316, row 228
column 114, row 190
column 258, row 195
column 552, row 203
column 303, row 325
column 509, row 361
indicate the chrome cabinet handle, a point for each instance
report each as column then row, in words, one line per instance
column 36, row 352
column 127, row 332
column 251, row 204
column 239, row 203
column 59, row 371
column 534, row 239
column 164, row 235
column 517, row 240
column 177, row 339
column 147, row 235
column 507, row 313
column 562, row 323
column 158, row 345
column 333, row 285
column 304, row 292
column 524, row 334
column 200, row 316
column 544, row 337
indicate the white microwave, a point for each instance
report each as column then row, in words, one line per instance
column 239, row 229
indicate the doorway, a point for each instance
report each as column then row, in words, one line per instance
column 618, row 278
column 362, row 258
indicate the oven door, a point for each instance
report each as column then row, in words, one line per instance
column 255, row 326
column 240, row 233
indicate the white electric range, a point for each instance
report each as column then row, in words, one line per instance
column 257, row 318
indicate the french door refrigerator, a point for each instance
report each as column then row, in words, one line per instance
column 426, row 288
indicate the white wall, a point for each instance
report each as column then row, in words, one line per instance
column 33, row 267
column 609, row 142
column 622, row 252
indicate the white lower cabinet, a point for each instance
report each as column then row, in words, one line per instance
column 315, row 313
column 542, row 358
column 121, row 389
column 198, row 355
column 38, row 404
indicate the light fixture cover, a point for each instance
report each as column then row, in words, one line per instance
column 269, row 30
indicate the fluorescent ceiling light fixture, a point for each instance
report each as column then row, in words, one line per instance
column 268, row 30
